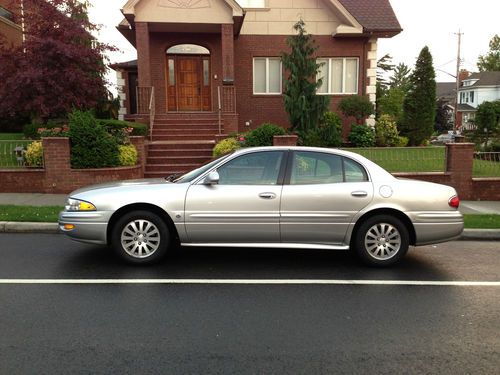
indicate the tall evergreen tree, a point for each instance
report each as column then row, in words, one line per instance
column 305, row 109
column 420, row 103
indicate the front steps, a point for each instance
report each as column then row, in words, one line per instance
column 181, row 142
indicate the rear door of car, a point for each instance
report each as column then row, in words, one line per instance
column 322, row 192
column 244, row 206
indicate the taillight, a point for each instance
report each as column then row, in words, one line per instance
column 454, row 202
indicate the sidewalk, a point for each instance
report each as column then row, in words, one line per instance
column 24, row 199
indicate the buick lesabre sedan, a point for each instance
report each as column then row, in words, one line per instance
column 270, row 197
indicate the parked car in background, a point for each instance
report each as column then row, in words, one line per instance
column 441, row 139
column 270, row 197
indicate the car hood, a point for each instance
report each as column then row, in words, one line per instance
column 119, row 184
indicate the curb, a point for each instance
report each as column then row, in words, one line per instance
column 25, row 227
column 480, row 235
column 28, row 227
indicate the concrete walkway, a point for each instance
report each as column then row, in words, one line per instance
column 23, row 199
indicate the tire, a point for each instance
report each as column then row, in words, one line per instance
column 381, row 240
column 140, row 237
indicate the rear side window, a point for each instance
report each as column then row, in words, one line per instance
column 353, row 171
column 322, row 168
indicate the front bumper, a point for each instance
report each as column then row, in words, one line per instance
column 90, row 226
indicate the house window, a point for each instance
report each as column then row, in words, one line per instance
column 339, row 75
column 472, row 96
column 6, row 14
column 267, row 75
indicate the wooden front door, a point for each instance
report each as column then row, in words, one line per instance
column 188, row 83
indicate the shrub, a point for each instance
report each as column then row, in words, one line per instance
column 327, row 134
column 91, row 145
column 386, row 132
column 225, row 146
column 127, row 155
column 263, row 135
column 137, row 128
column 362, row 136
column 30, row 130
column 402, row 141
column 356, row 106
column 54, row 132
column 33, row 157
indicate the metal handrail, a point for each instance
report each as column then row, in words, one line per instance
column 152, row 110
column 219, row 106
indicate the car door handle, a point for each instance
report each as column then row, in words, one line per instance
column 359, row 193
column 267, row 195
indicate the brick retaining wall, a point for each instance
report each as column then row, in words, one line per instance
column 57, row 176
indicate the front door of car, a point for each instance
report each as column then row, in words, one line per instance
column 243, row 206
column 321, row 195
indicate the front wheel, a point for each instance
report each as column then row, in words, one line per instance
column 381, row 240
column 140, row 237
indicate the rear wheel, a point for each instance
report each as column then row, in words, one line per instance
column 381, row 240
column 140, row 237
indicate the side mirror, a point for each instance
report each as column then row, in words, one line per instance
column 212, row 178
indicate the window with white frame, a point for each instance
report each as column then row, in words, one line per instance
column 339, row 75
column 267, row 75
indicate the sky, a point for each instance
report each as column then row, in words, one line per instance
column 425, row 22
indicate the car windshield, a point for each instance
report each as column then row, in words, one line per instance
column 190, row 176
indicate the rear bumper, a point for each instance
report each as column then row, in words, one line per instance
column 90, row 227
column 435, row 227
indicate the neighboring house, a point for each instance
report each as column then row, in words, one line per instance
column 197, row 56
column 474, row 90
column 10, row 24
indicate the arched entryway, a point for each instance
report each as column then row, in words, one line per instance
column 188, row 78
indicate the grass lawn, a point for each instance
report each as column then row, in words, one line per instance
column 8, row 144
column 29, row 213
column 11, row 136
column 482, row 221
column 421, row 159
column 485, row 168
column 405, row 159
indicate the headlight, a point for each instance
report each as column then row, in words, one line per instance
column 78, row 205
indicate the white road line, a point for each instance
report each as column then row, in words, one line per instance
column 252, row 282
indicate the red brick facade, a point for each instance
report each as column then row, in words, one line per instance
column 250, row 109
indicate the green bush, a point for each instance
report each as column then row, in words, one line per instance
column 137, row 128
column 356, row 106
column 33, row 157
column 327, row 134
column 263, row 135
column 225, row 146
column 91, row 145
column 402, row 141
column 386, row 132
column 127, row 155
column 30, row 131
column 362, row 136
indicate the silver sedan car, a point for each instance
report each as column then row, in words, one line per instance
column 272, row 197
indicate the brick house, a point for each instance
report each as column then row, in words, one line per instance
column 10, row 25
column 198, row 59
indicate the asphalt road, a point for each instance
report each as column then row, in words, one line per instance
column 204, row 328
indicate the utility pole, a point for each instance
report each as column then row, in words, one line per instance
column 457, row 85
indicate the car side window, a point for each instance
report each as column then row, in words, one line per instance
column 316, row 168
column 353, row 171
column 257, row 168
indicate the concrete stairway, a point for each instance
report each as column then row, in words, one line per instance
column 181, row 142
